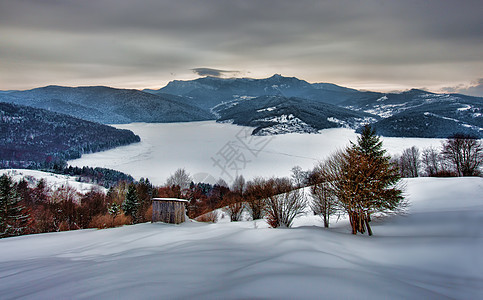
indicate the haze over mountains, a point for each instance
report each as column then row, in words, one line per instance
column 273, row 105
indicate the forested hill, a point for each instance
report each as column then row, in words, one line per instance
column 32, row 137
column 107, row 105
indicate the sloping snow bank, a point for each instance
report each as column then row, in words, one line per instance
column 434, row 252
column 54, row 181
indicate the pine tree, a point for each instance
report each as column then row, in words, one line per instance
column 131, row 203
column 368, row 143
column 114, row 209
column 364, row 181
column 13, row 219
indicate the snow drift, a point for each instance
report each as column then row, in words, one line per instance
column 433, row 252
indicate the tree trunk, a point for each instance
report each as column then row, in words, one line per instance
column 353, row 221
column 326, row 221
column 362, row 228
column 367, row 220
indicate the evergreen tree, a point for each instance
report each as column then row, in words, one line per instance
column 364, row 181
column 131, row 203
column 114, row 209
column 13, row 219
column 368, row 143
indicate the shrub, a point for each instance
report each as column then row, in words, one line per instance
column 210, row 217
column 148, row 215
column 234, row 206
column 64, row 226
column 284, row 204
column 106, row 221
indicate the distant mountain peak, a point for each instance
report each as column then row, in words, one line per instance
column 276, row 76
column 416, row 91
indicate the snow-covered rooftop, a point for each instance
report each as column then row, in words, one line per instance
column 169, row 199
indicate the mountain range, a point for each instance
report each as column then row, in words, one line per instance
column 273, row 105
column 413, row 113
column 107, row 105
column 277, row 114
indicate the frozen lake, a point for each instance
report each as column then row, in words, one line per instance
column 210, row 150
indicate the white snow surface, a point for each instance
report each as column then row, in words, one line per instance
column 169, row 146
column 433, row 252
column 286, row 124
column 54, row 181
column 267, row 109
column 465, row 107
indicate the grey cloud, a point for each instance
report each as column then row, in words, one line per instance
column 308, row 37
column 476, row 89
column 213, row 72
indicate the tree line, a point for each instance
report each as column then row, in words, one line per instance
column 460, row 155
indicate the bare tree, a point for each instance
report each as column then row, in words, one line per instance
column 284, row 204
column 410, row 162
column 180, row 178
column 234, row 206
column 238, row 185
column 324, row 202
column 431, row 160
column 254, row 195
column 298, row 176
column 233, row 200
column 222, row 183
column 465, row 153
column 209, row 217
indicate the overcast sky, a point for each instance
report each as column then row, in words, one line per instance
column 371, row 44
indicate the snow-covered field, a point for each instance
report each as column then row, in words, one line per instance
column 434, row 252
column 52, row 180
column 214, row 150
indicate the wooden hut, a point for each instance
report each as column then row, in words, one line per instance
column 169, row 210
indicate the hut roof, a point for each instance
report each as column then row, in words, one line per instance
column 169, row 199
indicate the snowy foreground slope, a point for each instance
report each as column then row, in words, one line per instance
column 434, row 252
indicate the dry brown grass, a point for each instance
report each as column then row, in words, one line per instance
column 106, row 221
column 148, row 215
column 63, row 226
column 210, row 217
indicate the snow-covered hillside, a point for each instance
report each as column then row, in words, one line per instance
column 52, row 180
column 433, row 252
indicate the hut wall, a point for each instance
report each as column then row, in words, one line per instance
column 168, row 212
